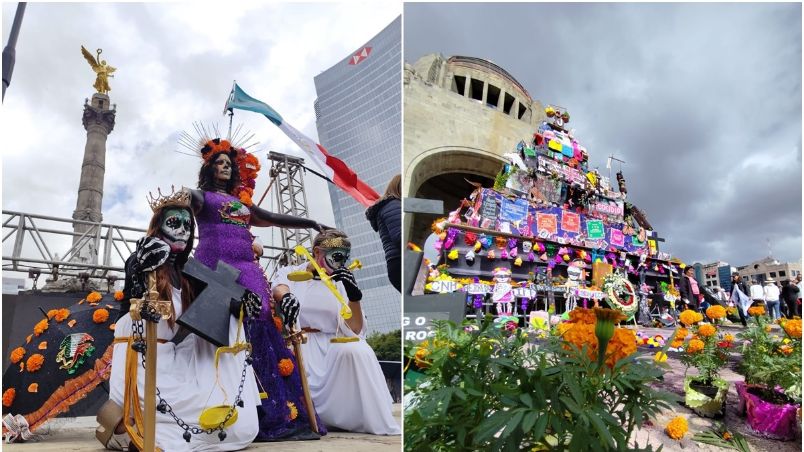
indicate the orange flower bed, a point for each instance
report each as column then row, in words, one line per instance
column 582, row 315
column 16, row 355
column 100, row 315
column 285, row 367
column 8, row 396
column 793, row 328
column 35, row 362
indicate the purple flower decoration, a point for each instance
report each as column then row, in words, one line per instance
column 512, row 243
column 504, row 254
column 531, row 257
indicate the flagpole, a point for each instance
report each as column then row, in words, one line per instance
column 230, row 110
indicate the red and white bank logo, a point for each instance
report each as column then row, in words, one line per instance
column 361, row 55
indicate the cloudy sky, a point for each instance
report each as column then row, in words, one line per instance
column 175, row 65
column 703, row 102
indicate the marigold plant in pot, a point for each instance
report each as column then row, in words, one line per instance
column 770, row 397
column 707, row 351
column 581, row 388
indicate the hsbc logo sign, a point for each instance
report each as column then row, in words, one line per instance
column 360, row 55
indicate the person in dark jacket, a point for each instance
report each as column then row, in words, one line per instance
column 790, row 296
column 689, row 290
column 739, row 286
column 385, row 217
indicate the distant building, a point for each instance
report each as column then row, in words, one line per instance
column 716, row 274
column 462, row 114
column 768, row 268
column 359, row 120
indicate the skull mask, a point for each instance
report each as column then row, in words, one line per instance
column 175, row 229
column 332, row 259
column 526, row 246
column 502, row 275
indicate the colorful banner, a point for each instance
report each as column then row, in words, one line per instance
column 617, row 238
column 546, row 223
column 513, row 210
column 570, row 222
column 594, row 229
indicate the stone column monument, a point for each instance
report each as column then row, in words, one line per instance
column 98, row 121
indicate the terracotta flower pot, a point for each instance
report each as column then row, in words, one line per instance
column 707, row 405
column 766, row 419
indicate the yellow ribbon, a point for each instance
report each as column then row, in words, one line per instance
column 346, row 312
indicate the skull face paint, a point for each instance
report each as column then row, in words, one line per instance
column 223, row 167
column 175, row 229
column 331, row 259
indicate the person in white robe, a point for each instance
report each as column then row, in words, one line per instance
column 187, row 377
column 345, row 379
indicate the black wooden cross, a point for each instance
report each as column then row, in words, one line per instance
column 208, row 316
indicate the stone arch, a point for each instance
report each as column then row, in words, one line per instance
column 439, row 173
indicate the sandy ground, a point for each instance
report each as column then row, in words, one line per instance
column 72, row 434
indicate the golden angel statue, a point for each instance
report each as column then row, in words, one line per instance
column 100, row 67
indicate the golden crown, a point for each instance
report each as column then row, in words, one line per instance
column 334, row 242
column 179, row 198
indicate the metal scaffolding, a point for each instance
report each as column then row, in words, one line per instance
column 291, row 199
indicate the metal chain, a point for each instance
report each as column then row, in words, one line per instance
column 149, row 313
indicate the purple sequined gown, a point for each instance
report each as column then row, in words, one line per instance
column 223, row 230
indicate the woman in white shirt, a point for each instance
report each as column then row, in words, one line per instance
column 771, row 292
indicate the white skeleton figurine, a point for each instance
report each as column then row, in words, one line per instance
column 502, row 294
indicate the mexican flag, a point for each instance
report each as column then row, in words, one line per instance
column 334, row 168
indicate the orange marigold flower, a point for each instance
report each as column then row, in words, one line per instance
column 582, row 315
column 278, row 323
column 100, row 315
column 682, row 333
column 61, row 314
column 621, row 345
column 118, row 295
column 17, row 354
column 33, row 387
column 716, row 312
column 294, row 412
column 689, row 317
column 786, row 350
column 8, row 396
column 421, row 355
column 695, row 345
column 728, row 338
column 756, row 311
column 35, row 362
column 707, row 330
column 793, row 328
column 51, row 313
column 727, row 436
column 677, row 343
column 676, row 428
column 94, row 297
column 285, row 367
column 41, row 327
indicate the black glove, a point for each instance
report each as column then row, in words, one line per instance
column 251, row 303
column 289, row 306
column 151, row 253
column 348, row 280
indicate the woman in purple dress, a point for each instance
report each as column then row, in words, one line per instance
column 223, row 225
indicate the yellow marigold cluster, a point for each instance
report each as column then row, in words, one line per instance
column 716, row 312
column 793, row 328
column 582, row 315
column 695, row 345
column 756, row 311
column 35, row 362
column 676, row 428
column 285, row 367
column 689, row 317
column 707, row 330
column 294, row 412
column 421, row 355
column 17, row 354
column 621, row 345
column 41, row 327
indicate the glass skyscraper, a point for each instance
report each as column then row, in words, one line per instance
column 359, row 120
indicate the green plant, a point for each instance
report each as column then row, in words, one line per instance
column 501, row 179
column 771, row 358
column 721, row 437
column 707, row 351
column 491, row 389
column 386, row 345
